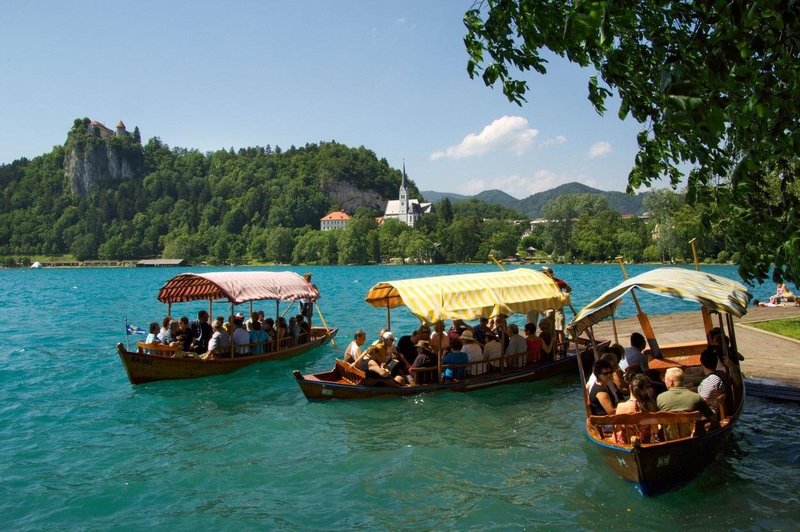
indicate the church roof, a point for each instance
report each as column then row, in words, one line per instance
column 395, row 208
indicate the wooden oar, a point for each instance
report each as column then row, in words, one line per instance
column 707, row 323
column 327, row 329
column 644, row 321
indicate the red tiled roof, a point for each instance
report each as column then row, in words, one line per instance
column 336, row 215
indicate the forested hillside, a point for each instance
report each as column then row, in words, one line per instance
column 104, row 195
column 221, row 205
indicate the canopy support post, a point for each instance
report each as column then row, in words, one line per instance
column 644, row 321
column 230, row 330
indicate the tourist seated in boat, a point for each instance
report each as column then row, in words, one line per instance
column 617, row 385
column 500, row 329
column 258, row 339
column 294, row 330
column 534, row 344
column 426, row 358
column 168, row 331
column 353, row 350
column 220, row 343
column 678, row 398
column 184, row 338
column 517, row 348
column 281, row 332
column 634, row 355
column 480, row 329
column 602, row 400
column 305, row 329
column 619, row 376
column 375, row 360
column 240, row 336
column 440, row 342
column 715, row 387
column 407, row 346
column 458, row 327
column 455, row 356
column 152, row 335
column 642, row 399
column 492, row 351
column 202, row 331
column 164, row 326
column 474, row 353
column 548, row 340
column 268, row 326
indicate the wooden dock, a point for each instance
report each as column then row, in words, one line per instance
column 771, row 364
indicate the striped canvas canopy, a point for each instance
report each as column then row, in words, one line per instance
column 470, row 296
column 237, row 287
column 712, row 291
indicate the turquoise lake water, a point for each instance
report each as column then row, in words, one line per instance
column 83, row 449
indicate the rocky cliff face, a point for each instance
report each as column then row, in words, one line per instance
column 87, row 165
column 350, row 197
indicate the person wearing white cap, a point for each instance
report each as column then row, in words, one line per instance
column 375, row 360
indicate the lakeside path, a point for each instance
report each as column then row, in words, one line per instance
column 767, row 356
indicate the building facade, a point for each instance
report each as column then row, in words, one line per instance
column 334, row 220
column 405, row 209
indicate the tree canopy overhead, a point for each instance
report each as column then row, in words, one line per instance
column 715, row 85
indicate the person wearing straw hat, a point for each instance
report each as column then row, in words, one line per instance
column 474, row 352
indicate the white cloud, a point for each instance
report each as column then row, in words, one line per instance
column 559, row 139
column 508, row 133
column 600, row 149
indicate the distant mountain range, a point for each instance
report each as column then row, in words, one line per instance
column 533, row 206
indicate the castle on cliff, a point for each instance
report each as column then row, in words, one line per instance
column 104, row 132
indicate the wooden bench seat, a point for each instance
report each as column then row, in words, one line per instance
column 156, row 349
column 674, row 424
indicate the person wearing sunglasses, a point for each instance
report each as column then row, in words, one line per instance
column 601, row 400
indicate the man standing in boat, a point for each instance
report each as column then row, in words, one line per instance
column 558, row 314
column 307, row 305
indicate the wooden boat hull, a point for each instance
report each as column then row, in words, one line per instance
column 142, row 368
column 662, row 467
column 328, row 385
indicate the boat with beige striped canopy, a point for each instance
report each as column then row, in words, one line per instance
column 153, row 362
column 450, row 297
column 666, row 458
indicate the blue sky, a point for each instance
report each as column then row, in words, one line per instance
column 390, row 76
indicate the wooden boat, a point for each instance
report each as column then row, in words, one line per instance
column 433, row 299
column 667, row 463
column 153, row 362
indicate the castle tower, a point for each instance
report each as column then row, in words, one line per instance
column 121, row 131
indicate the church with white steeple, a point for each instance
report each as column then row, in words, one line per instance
column 406, row 210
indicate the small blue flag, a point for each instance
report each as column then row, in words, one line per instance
column 133, row 329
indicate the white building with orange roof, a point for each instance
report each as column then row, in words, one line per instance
column 334, row 220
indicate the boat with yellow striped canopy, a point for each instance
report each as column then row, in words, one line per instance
column 452, row 297
column 659, row 451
